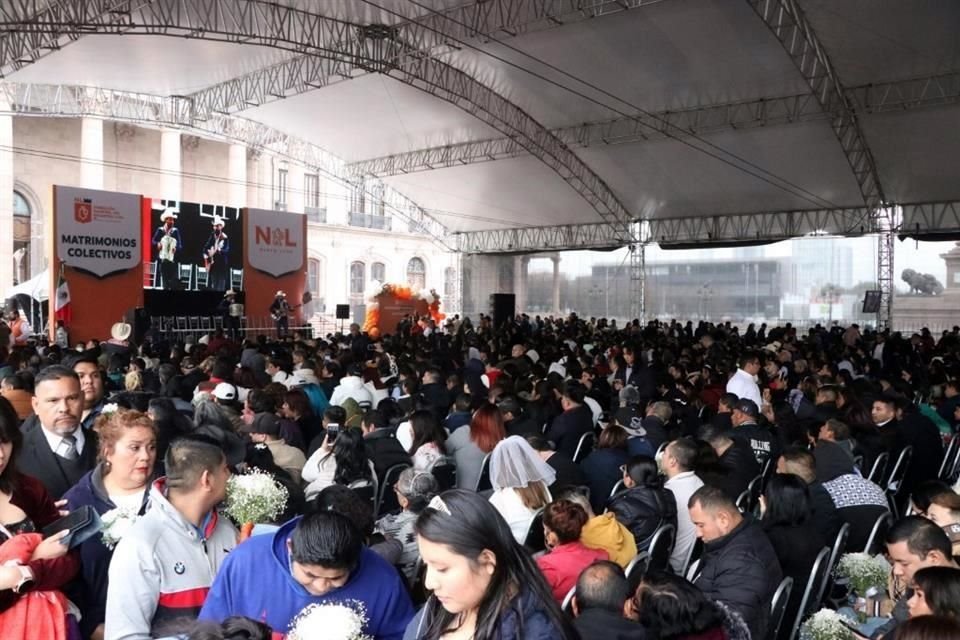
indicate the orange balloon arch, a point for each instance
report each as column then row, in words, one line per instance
column 404, row 293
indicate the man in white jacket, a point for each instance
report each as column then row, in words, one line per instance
column 743, row 383
column 351, row 386
column 164, row 565
column 676, row 464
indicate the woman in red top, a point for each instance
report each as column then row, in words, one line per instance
column 562, row 522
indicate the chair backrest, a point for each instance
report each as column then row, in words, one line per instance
column 663, row 447
column 446, row 475
column 584, row 446
column 878, row 533
column 567, row 605
column 949, row 458
column 807, row 603
column 617, row 488
column 386, row 498
column 534, row 540
column 879, row 469
column 483, row 480
column 661, row 546
column 778, row 607
column 638, row 564
column 696, row 550
column 743, row 501
column 894, row 483
column 839, row 547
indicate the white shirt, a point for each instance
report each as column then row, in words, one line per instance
column 54, row 439
column 280, row 376
column 742, row 385
column 683, row 485
column 517, row 515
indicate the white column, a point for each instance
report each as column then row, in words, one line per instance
column 6, row 201
column 556, row 283
column 91, row 153
column 295, row 195
column 238, row 175
column 171, row 178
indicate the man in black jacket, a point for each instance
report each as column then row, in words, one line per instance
column 601, row 604
column 825, row 517
column 56, row 451
column 515, row 422
column 744, row 420
column 739, row 566
column 382, row 448
column 736, row 460
column 576, row 420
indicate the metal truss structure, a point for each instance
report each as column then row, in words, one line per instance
column 766, row 112
column 787, row 22
column 929, row 218
column 71, row 101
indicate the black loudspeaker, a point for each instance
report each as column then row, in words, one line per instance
column 871, row 301
column 503, row 307
column 343, row 312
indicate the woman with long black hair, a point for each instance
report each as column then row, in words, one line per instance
column 485, row 585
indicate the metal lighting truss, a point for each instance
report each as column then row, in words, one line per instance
column 692, row 230
column 71, row 101
column 930, row 218
column 787, row 22
column 907, row 94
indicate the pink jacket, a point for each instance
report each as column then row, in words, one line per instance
column 562, row 566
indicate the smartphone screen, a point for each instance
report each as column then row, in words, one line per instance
column 333, row 430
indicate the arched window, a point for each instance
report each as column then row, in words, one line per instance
column 21, row 237
column 416, row 273
column 378, row 272
column 313, row 276
column 449, row 282
column 356, row 278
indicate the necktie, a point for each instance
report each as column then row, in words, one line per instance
column 68, row 448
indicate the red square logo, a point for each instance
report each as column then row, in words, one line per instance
column 83, row 211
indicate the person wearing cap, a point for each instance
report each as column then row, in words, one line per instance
column 226, row 397
column 231, row 322
column 743, row 383
column 761, row 440
column 265, row 429
column 168, row 244
column 216, row 256
column 280, row 310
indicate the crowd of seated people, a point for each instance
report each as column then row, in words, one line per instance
column 547, row 478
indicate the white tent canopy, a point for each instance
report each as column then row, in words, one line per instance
column 37, row 287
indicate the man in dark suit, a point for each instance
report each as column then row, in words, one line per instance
column 576, row 420
column 635, row 374
column 56, row 450
column 515, row 421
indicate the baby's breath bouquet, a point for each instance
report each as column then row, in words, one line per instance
column 864, row 572
column 254, row 497
column 116, row 523
column 332, row 621
column 825, row 625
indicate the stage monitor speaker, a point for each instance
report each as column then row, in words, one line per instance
column 503, row 308
column 343, row 312
column 139, row 320
column 871, row 301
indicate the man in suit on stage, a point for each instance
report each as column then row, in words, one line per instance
column 56, row 450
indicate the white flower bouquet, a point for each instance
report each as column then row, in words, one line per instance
column 331, row 621
column 864, row 572
column 254, row 497
column 825, row 624
column 116, row 524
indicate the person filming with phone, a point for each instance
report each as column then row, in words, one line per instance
column 341, row 459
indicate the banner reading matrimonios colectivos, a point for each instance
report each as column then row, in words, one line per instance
column 97, row 231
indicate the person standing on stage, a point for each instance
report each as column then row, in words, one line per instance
column 168, row 243
column 280, row 310
column 216, row 257
column 231, row 322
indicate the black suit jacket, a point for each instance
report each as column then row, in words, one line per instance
column 38, row 460
column 568, row 427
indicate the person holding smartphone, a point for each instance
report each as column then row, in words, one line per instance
column 341, row 459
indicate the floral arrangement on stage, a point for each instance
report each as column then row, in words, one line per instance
column 863, row 571
column 825, row 624
column 371, row 322
column 252, row 498
column 335, row 621
column 116, row 523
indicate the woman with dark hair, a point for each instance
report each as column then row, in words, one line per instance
column 786, row 514
column 923, row 493
column 260, row 457
column 170, row 424
column 233, row 628
column 341, row 460
column 427, row 448
column 469, row 446
column 671, row 608
column 936, row 592
column 484, row 585
column 563, row 521
column 26, row 507
column 296, row 407
column 645, row 506
column 602, row 466
column 929, row 628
